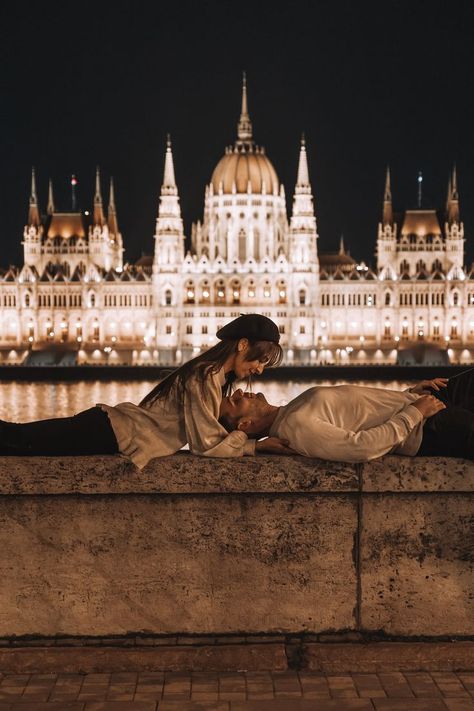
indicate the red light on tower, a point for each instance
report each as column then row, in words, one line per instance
column 73, row 191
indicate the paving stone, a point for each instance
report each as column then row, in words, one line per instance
column 36, row 706
column 120, row 706
column 395, row 685
column 433, row 704
column 15, row 680
column 314, row 685
column 342, row 686
column 192, row 706
column 368, row 686
column 305, row 705
column 459, row 704
column 422, row 685
column 449, row 684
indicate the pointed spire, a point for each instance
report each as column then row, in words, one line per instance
column 387, row 218
column 112, row 212
column 99, row 218
column 342, row 248
column 169, row 181
column 50, row 208
column 33, row 212
column 454, row 183
column 244, row 127
column 453, row 198
column 448, row 196
column 303, row 174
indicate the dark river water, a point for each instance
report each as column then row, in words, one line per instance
column 24, row 402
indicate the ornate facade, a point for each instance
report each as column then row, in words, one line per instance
column 74, row 300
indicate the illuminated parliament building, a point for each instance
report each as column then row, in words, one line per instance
column 74, row 300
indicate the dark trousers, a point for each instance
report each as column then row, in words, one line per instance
column 88, row 432
column 450, row 433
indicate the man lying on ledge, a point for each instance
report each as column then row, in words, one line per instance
column 350, row 423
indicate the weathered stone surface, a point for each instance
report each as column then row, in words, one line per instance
column 251, row 657
column 102, row 565
column 178, row 474
column 417, row 564
column 92, row 546
column 389, row 656
column 418, row 474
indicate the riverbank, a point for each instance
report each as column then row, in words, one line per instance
column 304, row 373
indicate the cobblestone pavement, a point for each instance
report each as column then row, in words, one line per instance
column 239, row 691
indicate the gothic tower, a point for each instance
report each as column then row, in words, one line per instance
column 169, row 250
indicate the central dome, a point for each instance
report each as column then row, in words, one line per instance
column 241, row 167
column 245, row 163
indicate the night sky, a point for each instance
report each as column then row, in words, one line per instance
column 87, row 83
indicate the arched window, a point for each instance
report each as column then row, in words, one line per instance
column 168, row 297
column 455, row 299
column 219, row 292
column 437, row 266
column 92, row 300
column 302, row 297
column 387, row 298
column 205, row 293
column 190, row 293
column 404, row 267
column 236, row 292
column 282, row 293
column 27, row 301
column 420, row 265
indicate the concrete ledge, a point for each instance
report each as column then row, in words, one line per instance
column 277, row 656
column 91, row 546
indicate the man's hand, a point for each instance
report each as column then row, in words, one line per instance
column 425, row 386
column 274, row 446
column 429, row 405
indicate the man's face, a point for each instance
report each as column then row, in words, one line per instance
column 244, row 406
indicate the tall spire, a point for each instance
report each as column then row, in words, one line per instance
column 33, row 212
column 99, row 218
column 453, row 198
column 302, row 181
column 387, row 200
column 169, row 181
column 50, row 208
column 244, row 127
column 112, row 212
column 342, row 248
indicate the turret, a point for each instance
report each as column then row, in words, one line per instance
column 50, row 208
column 303, row 254
column 387, row 218
column 34, row 219
column 244, row 127
column 453, row 199
column 387, row 232
column 99, row 217
column 169, row 236
column 112, row 212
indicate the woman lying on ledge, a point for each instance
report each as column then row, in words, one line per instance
column 182, row 408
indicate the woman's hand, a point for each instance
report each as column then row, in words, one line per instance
column 274, row 446
column 429, row 405
column 425, row 386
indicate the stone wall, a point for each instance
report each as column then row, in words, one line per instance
column 94, row 547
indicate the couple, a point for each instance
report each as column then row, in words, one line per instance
column 194, row 406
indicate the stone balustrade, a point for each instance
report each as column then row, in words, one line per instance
column 91, row 546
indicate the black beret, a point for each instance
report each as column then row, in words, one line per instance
column 255, row 327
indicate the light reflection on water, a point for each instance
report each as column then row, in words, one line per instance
column 25, row 402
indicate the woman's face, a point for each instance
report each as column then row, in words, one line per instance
column 244, row 368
